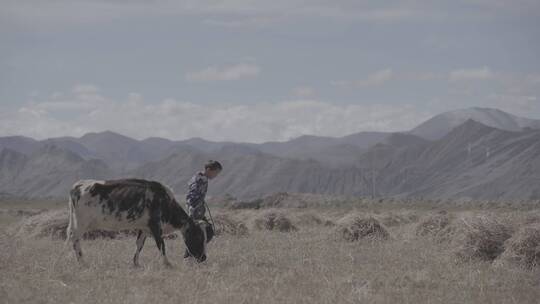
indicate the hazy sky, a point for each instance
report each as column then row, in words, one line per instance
column 260, row 70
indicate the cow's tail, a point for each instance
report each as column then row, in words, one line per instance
column 72, row 221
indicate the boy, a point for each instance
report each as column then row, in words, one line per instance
column 198, row 185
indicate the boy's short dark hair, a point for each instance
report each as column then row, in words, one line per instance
column 213, row 165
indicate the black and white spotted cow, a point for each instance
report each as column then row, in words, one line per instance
column 146, row 206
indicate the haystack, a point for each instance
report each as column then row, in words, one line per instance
column 275, row 200
column 273, row 220
column 391, row 219
column 46, row 224
column 480, row 238
column 523, row 249
column 21, row 212
column 226, row 225
column 532, row 217
column 310, row 219
column 53, row 224
column 354, row 227
column 433, row 224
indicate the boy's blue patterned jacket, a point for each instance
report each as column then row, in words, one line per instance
column 198, row 186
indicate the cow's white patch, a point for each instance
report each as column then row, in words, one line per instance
column 90, row 213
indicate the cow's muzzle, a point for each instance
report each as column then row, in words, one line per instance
column 202, row 258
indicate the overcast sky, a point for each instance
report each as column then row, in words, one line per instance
column 259, row 70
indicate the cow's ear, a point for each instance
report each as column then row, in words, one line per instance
column 209, row 232
column 188, row 226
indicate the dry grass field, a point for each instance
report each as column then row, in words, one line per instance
column 323, row 255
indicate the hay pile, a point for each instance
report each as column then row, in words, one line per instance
column 523, row 249
column 433, row 225
column 309, row 219
column 275, row 200
column 46, row 224
column 480, row 238
column 532, row 217
column 273, row 220
column 21, row 212
column 398, row 218
column 279, row 199
column 226, row 225
column 53, row 224
column 255, row 204
column 355, row 227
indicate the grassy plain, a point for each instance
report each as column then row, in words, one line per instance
column 308, row 265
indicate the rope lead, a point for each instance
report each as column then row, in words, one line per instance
column 210, row 214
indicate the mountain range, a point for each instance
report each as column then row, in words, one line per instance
column 476, row 153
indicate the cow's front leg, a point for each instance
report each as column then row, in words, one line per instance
column 156, row 233
column 141, row 237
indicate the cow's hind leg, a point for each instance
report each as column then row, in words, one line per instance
column 75, row 236
column 73, row 232
column 76, row 243
column 141, row 237
column 155, row 227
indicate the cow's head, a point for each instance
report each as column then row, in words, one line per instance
column 195, row 238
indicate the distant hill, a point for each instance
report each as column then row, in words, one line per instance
column 438, row 126
column 20, row 144
column 47, row 172
column 472, row 161
column 466, row 160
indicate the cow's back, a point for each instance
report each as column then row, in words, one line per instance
column 113, row 204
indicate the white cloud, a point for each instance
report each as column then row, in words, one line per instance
column 522, row 105
column 232, row 72
column 534, row 79
column 471, row 74
column 51, row 106
column 421, row 76
column 170, row 118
